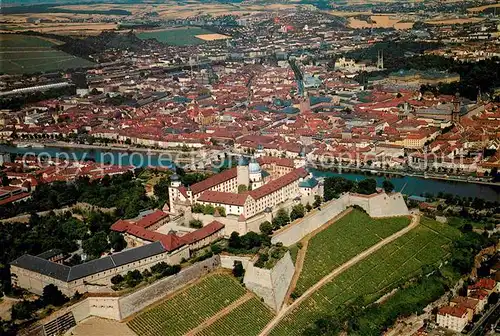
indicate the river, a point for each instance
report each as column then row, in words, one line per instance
column 409, row 185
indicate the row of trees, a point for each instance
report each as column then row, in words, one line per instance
column 133, row 278
column 26, row 309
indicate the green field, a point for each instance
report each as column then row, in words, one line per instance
column 176, row 36
column 189, row 308
column 392, row 265
column 246, row 320
column 342, row 241
column 28, row 54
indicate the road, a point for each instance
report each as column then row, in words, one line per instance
column 414, row 222
column 485, row 320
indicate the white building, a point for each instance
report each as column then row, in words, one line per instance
column 453, row 318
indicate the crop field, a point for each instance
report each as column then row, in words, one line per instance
column 27, row 54
column 176, row 36
column 189, row 308
column 343, row 240
column 392, row 265
column 246, row 320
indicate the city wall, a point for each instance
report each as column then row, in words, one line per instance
column 376, row 206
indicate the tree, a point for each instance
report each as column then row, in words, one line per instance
column 367, row 187
column 242, row 188
column 53, row 296
column 221, row 211
column 388, row 186
column 308, row 207
column 493, row 298
column 117, row 279
column 266, row 228
column 133, row 278
column 317, row 201
column 334, row 186
column 96, row 245
column 23, row 310
column 298, row 211
column 195, row 224
column 234, row 240
column 281, row 219
column 160, row 189
column 117, row 241
column 5, row 180
column 238, row 270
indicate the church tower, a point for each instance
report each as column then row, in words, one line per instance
column 243, row 175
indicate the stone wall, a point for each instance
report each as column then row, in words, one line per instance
column 271, row 284
column 376, row 205
column 228, row 261
column 120, row 307
column 142, row 298
column 295, row 232
column 381, row 205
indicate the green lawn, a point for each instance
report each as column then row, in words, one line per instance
column 28, row 54
column 176, row 36
column 343, row 240
column 189, row 308
column 392, row 265
column 246, row 320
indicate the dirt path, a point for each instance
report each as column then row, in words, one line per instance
column 301, row 256
column 414, row 222
column 220, row 314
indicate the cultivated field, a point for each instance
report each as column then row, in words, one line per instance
column 246, row 320
column 381, row 21
column 390, row 266
column 212, row 37
column 343, row 240
column 176, row 36
column 189, row 308
column 454, row 21
column 483, row 8
column 27, row 54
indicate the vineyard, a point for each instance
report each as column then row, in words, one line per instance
column 246, row 320
column 390, row 266
column 343, row 240
column 189, row 308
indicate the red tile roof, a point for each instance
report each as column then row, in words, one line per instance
column 151, row 219
column 223, row 198
column 214, row 180
column 456, row 311
column 278, row 183
column 484, row 283
column 203, row 233
column 278, row 161
column 15, row 198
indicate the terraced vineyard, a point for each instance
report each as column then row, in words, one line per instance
column 343, row 240
column 246, row 320
column 189, row 308
column 393, row 264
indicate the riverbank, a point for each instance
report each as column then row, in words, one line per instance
column 62, row 144
column 375, row 172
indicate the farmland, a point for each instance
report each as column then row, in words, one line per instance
column 27, row 54
column 246, row 320
column 176, row 36
column 367, row 280
column 187, row 309
column 341, row 241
